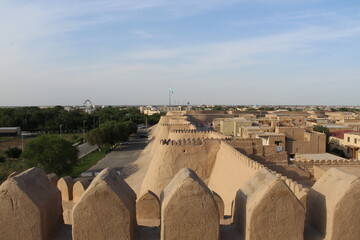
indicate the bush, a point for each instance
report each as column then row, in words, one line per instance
column 110, row 132
column 13, row 152
column 51, row 153
column 2, row 159
column 339, row 152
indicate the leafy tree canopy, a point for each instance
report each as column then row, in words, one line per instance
column 50, row 153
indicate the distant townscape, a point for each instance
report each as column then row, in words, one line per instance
column 183, row 172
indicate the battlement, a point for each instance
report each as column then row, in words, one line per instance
column 329, row 162
column 264, row 207
column 295, row 187
column 231, row 161
column 175, row 124
column 191, row 131
column 189, row 141
column 181, row 142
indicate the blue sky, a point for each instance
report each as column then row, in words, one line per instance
column 209, row 51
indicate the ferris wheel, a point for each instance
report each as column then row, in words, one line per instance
column 88, row 105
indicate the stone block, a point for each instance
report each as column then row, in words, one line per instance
column 220, row 204
column 188, row 209
column 265, row 208
column 106, row 210
column 30, row 207
column 53, row 178
column 148, row 206
column 333, row 205
column 65, row 185
column 79, row 188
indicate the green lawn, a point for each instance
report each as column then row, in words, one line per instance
column 71, row 137
column 85, row 163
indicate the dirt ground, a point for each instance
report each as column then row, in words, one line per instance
column 7, row 142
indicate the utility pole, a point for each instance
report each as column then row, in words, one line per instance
column 169, row 98
column 22, row 141
column 60, row 128
column 171, row 91
column 84, row 128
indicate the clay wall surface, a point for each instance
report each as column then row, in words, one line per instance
column 231, row 126
column 291, row 133
column 333, row 205
column 265, row 208
column 268, row 205
column 106, row 210
column 293, row 147
column 169, row 159
column 65, row 185
column 308, row 165
column 148, row 206
column 254, row 149
column 30, row 206
column 317, row 142
column 163, row 129
column 177, row 134
column 187, row 196
column 231, row 171
column 274, row 139
column 206, row 118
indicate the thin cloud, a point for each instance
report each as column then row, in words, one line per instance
column 143, row 34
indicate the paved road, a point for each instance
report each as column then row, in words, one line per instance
column 85, row 149
column 119, row 157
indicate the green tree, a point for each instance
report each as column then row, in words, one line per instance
column 323, row 129
column 111, row 132
column 50, row 153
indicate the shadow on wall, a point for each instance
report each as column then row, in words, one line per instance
column 265, row 208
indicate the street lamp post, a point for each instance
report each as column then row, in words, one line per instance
column 61, row 125
column 84, row 128
column 22, row 141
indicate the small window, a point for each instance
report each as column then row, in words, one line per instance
column 355, row 140
column 348, row 139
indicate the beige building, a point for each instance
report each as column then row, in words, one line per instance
column 352, row 145
column 231, row 126
column 301, row 140
column 269, row 138
column 287, row 120
column 252, row 131
column 340, row 116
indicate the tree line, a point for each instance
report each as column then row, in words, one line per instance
column 104, row 127
column 48, row 120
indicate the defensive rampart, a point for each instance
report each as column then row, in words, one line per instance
column 265, row 207
column 171, row 156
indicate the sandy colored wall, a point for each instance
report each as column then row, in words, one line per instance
column 163, row 129
column 185, row 134
column 292, row 133
column 169, row 159
column 230, row 172
column 207, row 118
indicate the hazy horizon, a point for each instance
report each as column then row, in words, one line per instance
column 235, row 52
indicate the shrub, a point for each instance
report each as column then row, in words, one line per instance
column 13, row 152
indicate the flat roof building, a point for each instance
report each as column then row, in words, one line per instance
column 9, row 131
